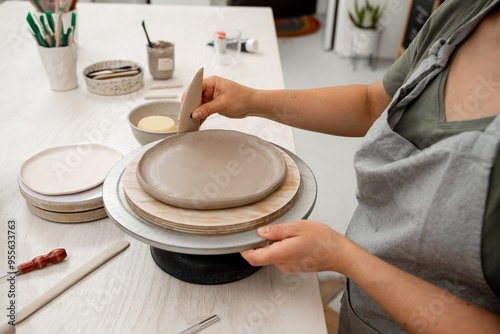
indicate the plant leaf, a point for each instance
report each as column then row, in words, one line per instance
column 353, row 20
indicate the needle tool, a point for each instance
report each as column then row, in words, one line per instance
column 39, row 262
column 199, row 326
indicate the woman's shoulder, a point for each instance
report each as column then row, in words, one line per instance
column 450, row 16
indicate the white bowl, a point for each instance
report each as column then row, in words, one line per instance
column 157, row 108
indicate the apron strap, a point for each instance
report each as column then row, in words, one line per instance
column 439, row 55
column 461, row 33
column 494, row 127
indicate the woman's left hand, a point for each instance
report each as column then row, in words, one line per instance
column 300, row 246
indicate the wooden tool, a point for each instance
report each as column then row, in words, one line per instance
column 66, row 283
column 165, row 86
column 116, row 75
column 160, row 97
column 68, row 217
column 39, row 262
column 7, row 329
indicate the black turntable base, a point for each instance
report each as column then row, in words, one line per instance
column 203, row 269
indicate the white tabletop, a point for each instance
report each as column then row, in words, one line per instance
column 130, row 294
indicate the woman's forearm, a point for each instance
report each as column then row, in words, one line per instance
column 344, row 111
column 416, row 305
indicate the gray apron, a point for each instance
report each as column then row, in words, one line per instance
column 422, row 210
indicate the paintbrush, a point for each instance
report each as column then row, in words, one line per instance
column 149, row 42
column 73, row 5
column 36, row 5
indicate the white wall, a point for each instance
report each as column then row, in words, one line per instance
column 392, row 23
column 321, row 6
column 181, row 2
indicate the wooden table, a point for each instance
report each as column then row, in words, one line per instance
column 130, row 294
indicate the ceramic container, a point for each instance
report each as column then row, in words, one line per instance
column 60, row 66
column 158, row 108
column 114, row 86
column 161, row 60
column 364, row 42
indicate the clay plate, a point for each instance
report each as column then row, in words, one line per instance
column 68, row 169
column 211, row 169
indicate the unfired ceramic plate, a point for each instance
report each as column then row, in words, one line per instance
column 211, row 169
column 68, row 169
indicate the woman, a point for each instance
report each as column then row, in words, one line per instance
column 421, row 252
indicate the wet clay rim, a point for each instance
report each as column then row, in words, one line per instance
column 217, row 221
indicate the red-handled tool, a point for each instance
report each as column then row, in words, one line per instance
column 39, row 262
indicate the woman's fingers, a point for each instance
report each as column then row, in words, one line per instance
column 262, row 256
column 272, row 253
column 279, row 231
column 300, row 246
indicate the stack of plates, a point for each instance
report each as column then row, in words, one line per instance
column 159, row 184
column 64, row 184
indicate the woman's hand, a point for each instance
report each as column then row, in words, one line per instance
column 224, row 97
column 300, row 246
column 312, row 246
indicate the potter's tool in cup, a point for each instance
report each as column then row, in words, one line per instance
column 39, row 262
column 147, row 36
column 199, row 326
column 67, row 282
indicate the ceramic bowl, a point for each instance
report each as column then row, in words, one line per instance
column 114, row 86
column 158, row 108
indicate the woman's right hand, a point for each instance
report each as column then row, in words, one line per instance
column 224, row 97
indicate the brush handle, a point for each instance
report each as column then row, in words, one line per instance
column 39, row 262
column 147, row 36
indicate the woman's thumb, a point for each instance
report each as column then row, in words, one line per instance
column 205, row 110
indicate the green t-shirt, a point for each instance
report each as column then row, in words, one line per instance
column 423, row 122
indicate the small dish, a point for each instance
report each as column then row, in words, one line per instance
column 156, row 108
column 70, row 169
column 114, row 86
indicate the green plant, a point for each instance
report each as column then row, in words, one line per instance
column 368, row 13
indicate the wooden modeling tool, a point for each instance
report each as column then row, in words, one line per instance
column 191, row 102
column 165, row 86
column 116, row 75
column 39, row 262
column 66, row 283
column 58, row 30
column 160, row 97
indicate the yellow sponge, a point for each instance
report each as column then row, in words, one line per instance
column 157, row 124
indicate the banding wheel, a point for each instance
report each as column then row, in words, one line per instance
column 122, row 214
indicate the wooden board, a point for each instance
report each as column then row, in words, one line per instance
column 63, row 207
column 418, row 12
column 222, row 221
column 64, row 217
